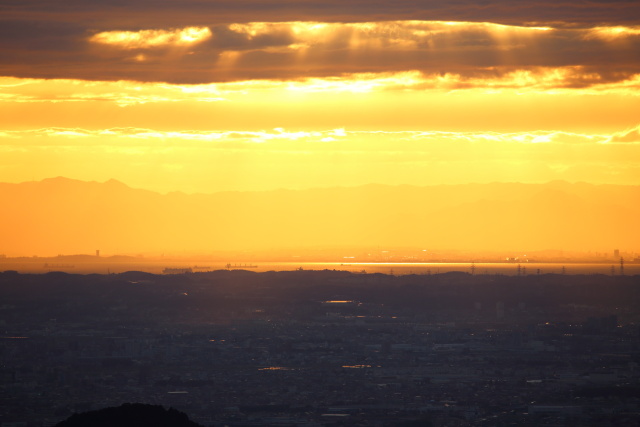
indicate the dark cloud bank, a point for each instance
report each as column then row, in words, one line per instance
column 51, row 40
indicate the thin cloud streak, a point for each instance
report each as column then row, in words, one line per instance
column 340, row 136
column 565, row 80
column 207, row 161
column 544, row 99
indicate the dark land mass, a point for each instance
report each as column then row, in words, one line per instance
column 130, row 415
column 318, row 348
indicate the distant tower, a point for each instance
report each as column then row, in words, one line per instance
column 473, row 268
column 616, row 253
column 97, row 252
column 621, row 266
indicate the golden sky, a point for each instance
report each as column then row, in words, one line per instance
column 201, row 100
column 254, row 95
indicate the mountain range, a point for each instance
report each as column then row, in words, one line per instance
column 61, row 215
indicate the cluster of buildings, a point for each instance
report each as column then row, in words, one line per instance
column 343, row 363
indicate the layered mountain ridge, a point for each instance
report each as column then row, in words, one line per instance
column 61, row 215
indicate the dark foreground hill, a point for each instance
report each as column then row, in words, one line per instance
column 130, row 415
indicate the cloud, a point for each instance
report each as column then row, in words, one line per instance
column 409, row 140
column 199, row 53
column 558, row 81
column 612, row 33
column 168, row 13
column 145, row 39
column 287, row 158
column 630, row 136
column 121, row 93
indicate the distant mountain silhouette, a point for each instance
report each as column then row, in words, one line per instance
column 61, row 215
column 130, row 415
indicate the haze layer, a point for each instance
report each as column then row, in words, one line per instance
column 67, row 216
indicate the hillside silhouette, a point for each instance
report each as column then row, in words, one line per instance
column 130, row 415
column 61, row 215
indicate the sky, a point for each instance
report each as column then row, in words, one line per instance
column 205, row 96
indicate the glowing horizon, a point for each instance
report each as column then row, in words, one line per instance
column 177, row 103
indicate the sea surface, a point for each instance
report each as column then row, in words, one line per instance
column 158, row 266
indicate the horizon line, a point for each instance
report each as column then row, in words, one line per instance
column 291, row 189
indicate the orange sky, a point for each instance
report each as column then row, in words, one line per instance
column 313, row 104
column 205, row 100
